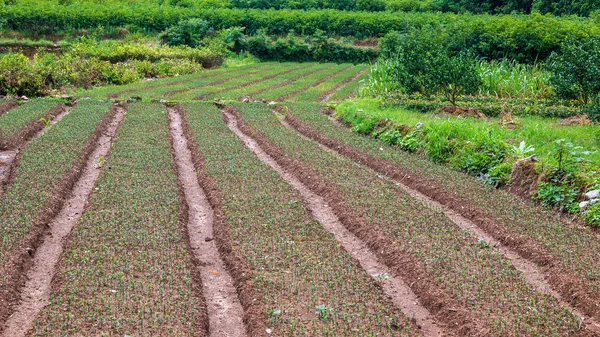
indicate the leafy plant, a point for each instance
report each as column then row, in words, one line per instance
column 522, row 150
column 323, row 312
column 592, row 215
column 410, row 142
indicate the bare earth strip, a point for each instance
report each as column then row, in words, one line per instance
column 255, row 318
column 327, row 95
column 9, row 159
column 394, row 287
column 534, row 274
column 8, row 106
column 294, row 93
column 36, row 293
column 225, row 312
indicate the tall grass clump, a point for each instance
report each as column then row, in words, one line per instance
column 510, row 79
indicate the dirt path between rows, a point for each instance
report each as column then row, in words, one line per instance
column 327, row 95
column 9, row 159
column 36, row 293
column 225, row 312
column 285, row 83
column 393, row 287
column 247, row 84
column 532, row 273
column 537, row 276
column 296, row 92
column 8, row 106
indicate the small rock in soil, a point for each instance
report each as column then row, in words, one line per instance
column 583, row 205
column 592, row 194
column 594, row 201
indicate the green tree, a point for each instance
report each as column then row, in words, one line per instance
column 187, row 32
column 576, row 70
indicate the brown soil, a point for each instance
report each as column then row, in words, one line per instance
column 223, row 307
column 294, row 93
column 254, row 316
column 36, row 292
column 285, row 83
column 34, row 129
column 394, row 288
column 8, row 106
column 563, row 281
column 20, row 261
column 456, row 111
column 204, row 97
column 576, row 120
column 327, row 95
column 523, row 178
column 453, row 315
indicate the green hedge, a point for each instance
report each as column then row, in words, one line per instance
column 523, row 36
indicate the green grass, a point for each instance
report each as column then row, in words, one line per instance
column 303, row 83
column 304, row 69
column 536, row 131
column 575, row 247
column 16, row 119
column 296, row 264
column 126, row 270
column 141, row 87
column 312, row 94
column 480, row 279
column 212, row 91
column 44, row 162
column 350, row 90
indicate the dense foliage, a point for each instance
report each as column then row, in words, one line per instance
column 576, row 70
column 89, row 63
column 304, row 49
column 563, row 7
column 525, row 38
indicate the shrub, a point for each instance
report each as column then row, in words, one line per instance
column 421, row 64
column 576, row 69
column 187, row 33
column 18, row 76
column 592, row 215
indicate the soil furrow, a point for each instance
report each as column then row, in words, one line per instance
column 21, row 260
column 327, row 95
column 175, row 92
column 9, row 159
column 540, row 269
column 224, row 310
column 294, row 93
column 435, row 298
column 203, row 97
column 532, row 273
column 395, row 288
column 283, row 84
column 130, row 91
column 254, row 315
column 8, row 106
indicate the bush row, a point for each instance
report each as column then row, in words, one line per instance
column 521, row 37
column 84, row 67
column 304, row 49
column 119, row 51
